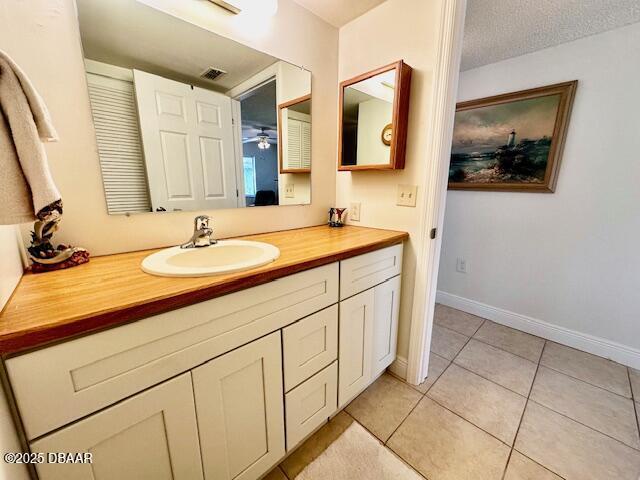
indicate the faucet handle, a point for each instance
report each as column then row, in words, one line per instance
column 201, row 222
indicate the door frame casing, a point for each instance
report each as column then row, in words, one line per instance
column 447, row 71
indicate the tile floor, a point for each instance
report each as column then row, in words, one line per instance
column 498, row 404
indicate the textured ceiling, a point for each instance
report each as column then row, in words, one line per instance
column 339, row 12
column 499, row 29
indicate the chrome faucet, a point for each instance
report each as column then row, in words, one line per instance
column 202, row 233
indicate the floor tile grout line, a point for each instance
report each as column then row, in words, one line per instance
column 407, row 462
column 473, row 337
column 507, row 351
column 633, row 401
column 488, row 379
column 471, row 423
column 589, row 383
column 435, row 322
column 538, row 365
column 384, row 443
column 414, row 407
column 539, row 362
column 544, row 340
column 526, row 404
column 539, row 464
column 635, row 449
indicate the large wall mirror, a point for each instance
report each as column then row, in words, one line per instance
column 186, row 119
column 374, row 110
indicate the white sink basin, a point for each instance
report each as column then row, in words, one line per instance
column 226, row 256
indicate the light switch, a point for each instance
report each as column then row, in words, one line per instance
column 289, row 191
column 407, row 195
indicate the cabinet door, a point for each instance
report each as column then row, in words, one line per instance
column 152, row 435
column 386, row 303
column 355, row 345
column 239, row 400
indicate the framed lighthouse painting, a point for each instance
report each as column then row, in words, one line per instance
column 511, row 142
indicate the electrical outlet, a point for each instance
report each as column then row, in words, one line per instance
column 354, row 211
column 407, row 195
column 461, row 265
column 289, row 191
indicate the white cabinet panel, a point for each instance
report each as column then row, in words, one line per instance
column 386, row 303
column 355, row 345
column 152, row 435
column 240, row 411
column 309, row 405
column 59, row 384
column 309, row 345
column 367, row 270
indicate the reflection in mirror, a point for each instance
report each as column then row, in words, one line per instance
column 366, row 120
column 295, row 128
column 188, row 120
column 374, row 119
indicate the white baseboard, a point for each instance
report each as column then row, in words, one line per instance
column 399, row 367
column 598, row 346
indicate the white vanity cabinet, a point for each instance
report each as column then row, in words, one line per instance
column 219, row 390
column 368, row 319
column 151, row 435
column 240, row 411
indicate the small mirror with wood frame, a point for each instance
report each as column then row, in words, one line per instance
column 294, row 135
column 374, row 112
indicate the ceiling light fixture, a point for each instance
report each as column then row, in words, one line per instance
column 230, row 6
column 263, row 140
column 264, row 7
column 263, row 143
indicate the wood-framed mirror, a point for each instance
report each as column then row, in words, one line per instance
column 294, row 135
column 374, row 112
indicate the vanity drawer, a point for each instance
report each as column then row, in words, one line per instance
column 365, row 271
column 310, row 404
column 62, row 383
column 309, row 345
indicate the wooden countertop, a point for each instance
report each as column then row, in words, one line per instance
column 113, row 290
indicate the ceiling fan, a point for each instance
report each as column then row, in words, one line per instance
column 263, row 139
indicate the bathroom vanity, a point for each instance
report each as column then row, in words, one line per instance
column 189, row 378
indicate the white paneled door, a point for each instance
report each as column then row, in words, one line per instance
column 187, row 134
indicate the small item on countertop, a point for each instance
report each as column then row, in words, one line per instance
column 337, row 217
column 44, row 255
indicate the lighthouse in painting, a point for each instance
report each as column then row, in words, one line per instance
column 512, row 139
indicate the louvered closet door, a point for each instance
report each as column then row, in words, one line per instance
column 305, row 153
column 115, row 118
column 187, row 135
column 294, row 144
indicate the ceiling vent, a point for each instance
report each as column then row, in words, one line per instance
column 212, row 73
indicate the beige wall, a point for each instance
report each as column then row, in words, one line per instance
column 407, row 30
column 564, row 266
column 42, row 36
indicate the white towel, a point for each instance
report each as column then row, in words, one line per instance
column 27, row 190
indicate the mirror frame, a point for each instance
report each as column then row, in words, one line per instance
column 399, row 119
column 281, row 107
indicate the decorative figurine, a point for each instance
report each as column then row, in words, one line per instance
column 44, row 255
column 337, row 217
